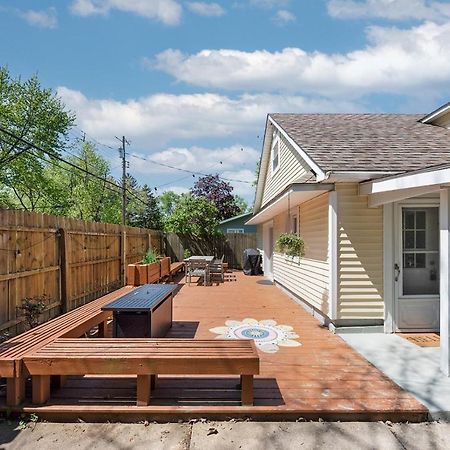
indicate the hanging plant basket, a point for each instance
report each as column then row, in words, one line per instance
column 290, row 244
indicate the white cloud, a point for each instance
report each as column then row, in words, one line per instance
column 166, row 11
column 177, row 189
column 199, row 159
column 390, row 9
column 284, row 16
column 398, row 61
column 206, row 9
column 40, row 18
column 154, row 120
column 235, row 163
column 269, row 3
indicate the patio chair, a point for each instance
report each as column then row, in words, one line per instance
column 216, row 269
column 197, row 268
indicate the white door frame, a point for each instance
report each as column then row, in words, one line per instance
column 268, row 261
column 395, row 242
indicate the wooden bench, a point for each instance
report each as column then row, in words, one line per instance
column 176, row 267
column 72, row 324
column 146, row 358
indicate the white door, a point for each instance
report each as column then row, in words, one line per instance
column 417, row 268
column 268, row 250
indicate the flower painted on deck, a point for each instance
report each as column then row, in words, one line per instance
column 267, row 334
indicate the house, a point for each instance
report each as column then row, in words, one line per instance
column 237, row 224
column 370, row 196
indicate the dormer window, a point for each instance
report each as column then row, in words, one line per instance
column 275, row 151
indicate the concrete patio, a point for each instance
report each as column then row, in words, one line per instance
column 416, row 369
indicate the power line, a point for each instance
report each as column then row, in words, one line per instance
column 185, row 170
column 30, row 145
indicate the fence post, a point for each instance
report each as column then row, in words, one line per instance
column 123, row 256
column 64, row 266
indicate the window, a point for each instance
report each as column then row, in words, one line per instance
column 275, row 151
column 235, row 230
column 294, row 224
column 414, row 237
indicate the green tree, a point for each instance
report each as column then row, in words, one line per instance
column 193, row 215
column 83, row 196
column 143, row 207
column 37, row 115
column 167, row 202
column 241, row 204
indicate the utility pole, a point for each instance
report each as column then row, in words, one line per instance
column 123, row 155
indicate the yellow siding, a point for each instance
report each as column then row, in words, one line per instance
column 307, row 277
column 360, row 256
column 292, row 168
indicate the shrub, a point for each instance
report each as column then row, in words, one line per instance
column 32, row 308
column 150, row 257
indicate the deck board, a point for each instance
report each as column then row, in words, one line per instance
column 323, row 377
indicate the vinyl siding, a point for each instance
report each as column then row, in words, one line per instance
column 292, row 168
column 307, row 277
column 360, row 256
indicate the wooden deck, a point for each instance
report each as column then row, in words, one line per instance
column 321, row 378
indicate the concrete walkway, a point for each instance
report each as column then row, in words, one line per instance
column 227, row 435
column 414, row 368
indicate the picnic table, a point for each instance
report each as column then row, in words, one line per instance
column 145, row 312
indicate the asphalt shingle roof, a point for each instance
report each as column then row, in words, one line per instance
column 368, row 142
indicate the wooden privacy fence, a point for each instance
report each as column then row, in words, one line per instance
column 230, row 245
column 69, row 261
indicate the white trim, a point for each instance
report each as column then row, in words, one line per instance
column 357, row 176
column 388, row 268
column 444, row 239
column 275, row 144
column 296, row 194
column 437, row 113
column 410, row 180
column 320, row 174
column 375, row 200
column 266, row 227
column 333, row 256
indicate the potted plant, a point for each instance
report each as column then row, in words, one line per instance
column 152, row 263
column 145, row 271
column 291, row 244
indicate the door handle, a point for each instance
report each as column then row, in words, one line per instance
column 397, row 271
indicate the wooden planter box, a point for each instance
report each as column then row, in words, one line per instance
column 139, row 274
column 142, row 273
column 153, row 272
column 165, row 266
column 132, row 275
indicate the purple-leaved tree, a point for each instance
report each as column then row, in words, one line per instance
column 218, row 192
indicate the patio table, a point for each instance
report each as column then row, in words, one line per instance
column 144, row 312
column 208, row 259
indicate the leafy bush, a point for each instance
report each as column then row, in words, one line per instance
column 291, row 244
column 32, row 308
column 150, row 257
column 186, row 253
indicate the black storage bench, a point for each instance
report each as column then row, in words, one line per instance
column 144, row 312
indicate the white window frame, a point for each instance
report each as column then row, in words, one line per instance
column 275, row 145
column 236, row 230
column 294, row 217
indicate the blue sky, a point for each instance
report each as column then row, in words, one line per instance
column 190, row 83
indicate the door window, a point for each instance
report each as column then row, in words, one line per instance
column 420, row 251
